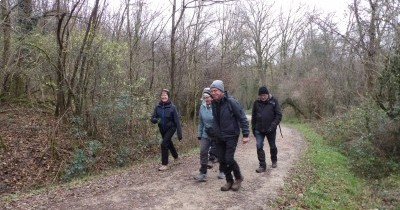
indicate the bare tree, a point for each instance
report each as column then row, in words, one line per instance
column 260, row 22
column 63, row 20
column 6, row 25
column 291, row 30
column 173, row 39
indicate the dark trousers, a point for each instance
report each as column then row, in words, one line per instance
column 167, row 145
column 226, row 148
column 213, row 151
column 273, row 150
column 205, row 144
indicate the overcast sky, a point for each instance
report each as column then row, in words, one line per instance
column 338, row 6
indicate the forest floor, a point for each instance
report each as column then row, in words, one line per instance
column 144, row 187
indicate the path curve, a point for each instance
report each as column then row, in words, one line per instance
column 143, row 187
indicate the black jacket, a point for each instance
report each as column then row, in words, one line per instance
column 266, row 114
column 168, row 116
column 229, row 117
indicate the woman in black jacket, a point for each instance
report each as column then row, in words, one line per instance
column 167, row 117
column 266, row 116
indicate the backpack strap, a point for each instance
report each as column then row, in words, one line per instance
column 232, row 110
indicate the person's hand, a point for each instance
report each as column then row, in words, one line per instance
column 154, row 120
column 271, row 129
column 254, row 131
column 180, row 138
column 245, row 140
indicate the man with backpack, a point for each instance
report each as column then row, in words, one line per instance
column 229, row 118
column 266, row 116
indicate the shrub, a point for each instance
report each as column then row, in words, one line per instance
column 123, row 156
column 368, row 136
column 78, row 166
column 83, row 160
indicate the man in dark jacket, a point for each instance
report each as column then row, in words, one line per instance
column 266, row 116
column 229, row 118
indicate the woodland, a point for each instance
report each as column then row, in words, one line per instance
column 79, row 79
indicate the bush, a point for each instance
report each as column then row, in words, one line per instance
column 368, row 136
column 83, row 160
column 78, row 166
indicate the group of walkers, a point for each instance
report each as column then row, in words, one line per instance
column 221, row 118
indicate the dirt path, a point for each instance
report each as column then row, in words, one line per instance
column 144, row 187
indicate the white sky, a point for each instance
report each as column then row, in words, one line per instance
column 337, row 6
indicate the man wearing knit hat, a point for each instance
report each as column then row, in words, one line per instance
column 266, row 116
column 229, row 118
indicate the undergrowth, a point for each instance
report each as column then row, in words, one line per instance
column 322, row 180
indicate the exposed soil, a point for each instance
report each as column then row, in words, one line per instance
column 143, row 187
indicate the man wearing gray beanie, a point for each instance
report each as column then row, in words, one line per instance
column 229, row 118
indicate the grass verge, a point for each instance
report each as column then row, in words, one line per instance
column 322, row 180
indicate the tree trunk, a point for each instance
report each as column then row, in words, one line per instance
column 5, row 16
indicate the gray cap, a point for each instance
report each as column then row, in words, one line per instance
column 217, row 84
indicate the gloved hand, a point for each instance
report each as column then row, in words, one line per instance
column 199, row 138
column 254, row 131
column 154, row 120
column 271, row 129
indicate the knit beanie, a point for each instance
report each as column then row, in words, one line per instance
column 217, row 84
column 263, row 90
column 207, row 91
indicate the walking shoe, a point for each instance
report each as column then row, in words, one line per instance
column 227, row 186
column 221, row 175
column 238, row 183
column 260, row 170
column 274, row 164
column 163, row 168
column 201, row 177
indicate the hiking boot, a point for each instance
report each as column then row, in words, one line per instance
column 201, row 177
column 227, row 186
column 274, row 164
column 163, row 168
column 221, row 175
column 238, row 183
column 260, row 170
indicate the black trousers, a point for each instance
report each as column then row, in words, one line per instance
column 167, row 145
column 273, row 150
column 226, row 148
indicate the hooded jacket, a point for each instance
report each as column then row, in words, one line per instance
column 206, row 119
column 168, row 116
column 229, row 117
column 266, row 114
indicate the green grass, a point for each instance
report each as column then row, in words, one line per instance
column 322, row 179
